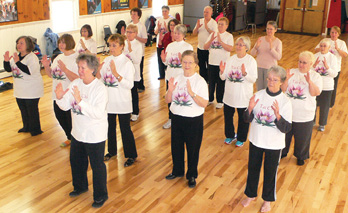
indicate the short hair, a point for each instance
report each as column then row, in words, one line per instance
column 326, row 41
column 117, row 38
column 308, row 55
column 245, row 40
column 211, row 9
column 88, row 28
column 181, row 29
column 190, row 53
column 272, row 23
column 176, row 22
column 91, row 60
column 28, row 43
column 278, row 71
column 68, row 40
column 337, row 29
column 137, row 10
column 225, row 20
column 165, row 7
column 133, row 27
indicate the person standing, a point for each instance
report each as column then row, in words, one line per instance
column 87, row 44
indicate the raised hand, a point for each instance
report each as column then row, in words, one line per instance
column 179, row 55
column 76, row 94
column 171, row 85
column 113, row 68
column 325, row 63
column 7, row 56
column 219, row 38
column 252, row 103
column 45, row 61
column 308, row 78
column 62, row 66
column 188, row 85
column 129, row 46
column 288, row 75
column 199, row 25
column 316, row 62
column 222, row 67
column 275, row 107
column 163, row 56
column 60, row 92
column 82, row 44
column 258, row 43
column 15, row 57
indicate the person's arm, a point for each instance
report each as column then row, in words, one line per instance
column 46, row 63
column 331, row 66
column 171, row 88
column 136, row 54
column 251, row 71
column 69, row 74
column 24, row 68
column 283, row 125
column 157, row 28
column 95, row 111
column 277, row 51
column 248, row 117
column 200, row 101
column 198, row 25
column 142, row 36
column 343, row 50
column 284, row 85
column 63, row 97
column 227, row 46
column 127, row 80
column 7, row 66
column 313, row 89
column 254, row 51
column 210, row 39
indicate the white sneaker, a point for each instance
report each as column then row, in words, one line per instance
column 134, row 117
column 168, row 124
column 210, row 103
column 219, row 105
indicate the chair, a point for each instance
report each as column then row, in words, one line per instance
column 107, row 34
column 177, row 16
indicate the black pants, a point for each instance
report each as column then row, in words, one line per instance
column 203, row 57
column 141, row 82
column 30, row 115
column 189, row 131
column 170, row 114
column 135, row 98
column 215, row 81
column 80, row 152
column 243, row 127
column 161, row 66
column 64, row 119
column 129, row 148
column 302, row 133
column 333, row 97
column 323, row 102
column 270, row 172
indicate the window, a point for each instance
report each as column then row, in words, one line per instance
column 157, row 7
column 63, row 15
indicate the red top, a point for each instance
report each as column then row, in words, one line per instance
column 167, row 39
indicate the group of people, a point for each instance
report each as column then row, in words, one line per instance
column 88, row 96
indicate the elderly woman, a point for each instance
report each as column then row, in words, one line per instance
column 117, row 74
column 268, row 50
column 302, row 85
column 28, row 84
column 87, row 44
column 188, row 93
column 166, row 39
column 326, row 66
column 87, row 98
column 172, row 58
column 240, row 73
column 63, row 70
column 133, row 50
column 219, row 44
column 338, row 47
column 270, row 114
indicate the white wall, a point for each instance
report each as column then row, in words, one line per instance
column 9, row 33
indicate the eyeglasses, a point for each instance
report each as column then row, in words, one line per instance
column 187, row 62
column 273, row 80
column 302, row 62
column 240, row 45
column 129, row 32
column 323, row 45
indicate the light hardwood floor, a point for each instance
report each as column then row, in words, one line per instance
column 35, row 172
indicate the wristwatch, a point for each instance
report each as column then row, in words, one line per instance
column 118, row 77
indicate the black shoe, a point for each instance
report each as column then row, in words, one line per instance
column 160, row 78
column 283, row 156
column 23, row 130
column 129, row 162
column 171, row 176
column 192, row 182
column 108, row 156
column 36, row 133
column 300, row 162
column 99, row 203
column 76, row 193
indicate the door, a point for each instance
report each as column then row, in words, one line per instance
column 293, row 15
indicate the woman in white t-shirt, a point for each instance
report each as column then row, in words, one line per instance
column 270, row 114
column 86, row 43
column 188, row 93
column 219, row 44
column 117, row 74
column 28, row 84
column 240, row 74
column 302, row 86
column 63, row 70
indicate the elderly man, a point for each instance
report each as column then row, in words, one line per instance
column 204, row 27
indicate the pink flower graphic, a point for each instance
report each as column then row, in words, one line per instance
column 81, row 51
column 321, row 70
column 296, row 92
column 235, row 76
column 182, row 99
column 265, row 118
column 174, row 62
column 215, row 45
column 58, row 74
column 76, row 108
column 16, row 73
column 110, row 80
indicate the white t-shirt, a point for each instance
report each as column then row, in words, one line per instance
column 342, row 46
column 182, row 103
column 27, row 86
column 263, row 130
column 120, row 97
column 142, row 33
column 58, row 75
column 303, row 104
column 203, row 34
column 89, row 117
column 135, row 56
column 327, row 75
column 173, row 62
column 216, row 52
column 239, row 88
column 164, row 26
column 90, row 44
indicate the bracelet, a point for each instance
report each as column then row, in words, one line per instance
column 118, row 77
column 194, row 95
column 86, row 49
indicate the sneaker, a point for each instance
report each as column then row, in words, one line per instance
column 134, row 117
column 99, row 203
column 321, row 128
column 239, row 144
column 168, row 124
column 300, row 162
column 219, row 105
column 76, row 193
column 228, row 141
column 210, row 103
column 65, row 143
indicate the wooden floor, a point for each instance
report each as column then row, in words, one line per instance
column 35, row 172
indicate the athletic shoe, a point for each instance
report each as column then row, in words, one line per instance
column 168, row 124
column 210, row 103
column 134, row 117
column 219, row 105
column 239, row 144
column 321, row 128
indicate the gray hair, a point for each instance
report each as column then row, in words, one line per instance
column 278, row 71
column 190, row 53
column 208, row 7
column 91, row 60
column 181, row 29
column 245, row 40
column 272, row 23
column 309, row 55
column 326, row 41
column 165, row 7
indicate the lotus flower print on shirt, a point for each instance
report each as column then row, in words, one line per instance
column 215, row 45
column 182, row 99
column 128, row 56
column 58, row 74
column 321, row 70
column 16, row 73
column 174, row 62
column 109, row 80
column 265, row 118
column 76, row 108
column 235, row 76
column 81, row 51
column 296, row 92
